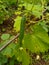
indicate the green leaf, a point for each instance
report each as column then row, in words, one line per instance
column 40, row 32
column 38, row 41
column 22, row 56
column 43, row 25
column 3, row 59
column 9, row 51
column 37, row 10
column 17, row 23
column 28, row 6
column 34, row 44
column 5, row 36
column 25, row 58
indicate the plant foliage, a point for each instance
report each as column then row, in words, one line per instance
column 36, row 40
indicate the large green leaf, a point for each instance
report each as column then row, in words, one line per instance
column 38, row 41
column 34, row 44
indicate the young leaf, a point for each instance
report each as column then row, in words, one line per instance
column 17, row 23
column 5, row 36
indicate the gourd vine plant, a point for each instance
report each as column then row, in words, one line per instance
column 35, row 42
